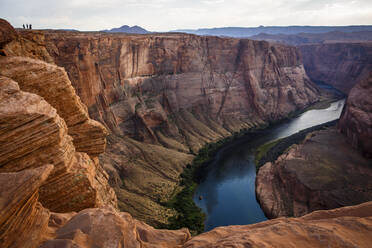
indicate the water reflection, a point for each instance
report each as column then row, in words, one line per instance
column 229, row 188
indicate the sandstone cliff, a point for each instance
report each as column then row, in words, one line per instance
column 162, row 97
column 324, row 172
column 32, row 134
column 341, row 65
column 23, row 221
column 356, row 119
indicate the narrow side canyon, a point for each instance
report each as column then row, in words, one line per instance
column 340, row 64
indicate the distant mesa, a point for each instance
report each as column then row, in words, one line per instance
column 128, row 29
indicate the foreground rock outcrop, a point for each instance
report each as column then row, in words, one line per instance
column 105, row 228
column 51, row 82
column 23, row 220
column 341, row 65
column 343, row 227
column 33, row 134
column 356, row 119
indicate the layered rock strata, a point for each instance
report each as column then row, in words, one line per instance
column 324, row 172
column 356, row 119
column 51, row 82
column 133, row 83
column 23, row 220
column 341, row 65
column 32, row 134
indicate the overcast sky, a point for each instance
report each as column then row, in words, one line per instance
column 164, row 15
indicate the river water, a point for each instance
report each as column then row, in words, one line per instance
column 228, row 192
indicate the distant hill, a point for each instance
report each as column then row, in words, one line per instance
column 128, row 29
column 247, row 32
column 311, row 38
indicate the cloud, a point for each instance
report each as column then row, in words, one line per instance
column 164, row 15
column 213, row 1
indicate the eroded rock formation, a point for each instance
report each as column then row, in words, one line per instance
column 32, row 134
column 356, row 119
column 23, row 220
column 341, row 65
column 51, row 82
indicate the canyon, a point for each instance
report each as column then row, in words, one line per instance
column 162, row 97
column 96, row 128
column 340, row 64
column 338, row 58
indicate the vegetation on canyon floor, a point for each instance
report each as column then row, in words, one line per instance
column 190, row 215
